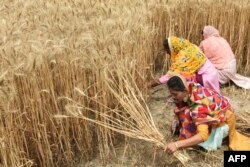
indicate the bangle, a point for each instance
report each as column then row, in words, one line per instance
column 176, row 145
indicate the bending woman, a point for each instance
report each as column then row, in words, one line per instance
column 205, row 116
column 219, row 52
column 189, row 61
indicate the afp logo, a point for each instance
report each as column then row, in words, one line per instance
column 236, row 158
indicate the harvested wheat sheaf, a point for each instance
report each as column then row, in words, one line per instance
column 131, row 117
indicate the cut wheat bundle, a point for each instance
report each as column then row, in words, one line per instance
column 131, row 116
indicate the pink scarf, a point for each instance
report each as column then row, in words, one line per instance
column 216, row 48
column 210, row 31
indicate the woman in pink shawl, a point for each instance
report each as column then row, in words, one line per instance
column 219, row 52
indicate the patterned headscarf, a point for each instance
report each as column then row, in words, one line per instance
column 204, row 106
column 186, row 58
column 209, row 31
column 207, row 106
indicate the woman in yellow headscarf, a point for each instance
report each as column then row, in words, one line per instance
column 186, row 58
column 189, row 61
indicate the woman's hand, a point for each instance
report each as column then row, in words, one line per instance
column 153, row 83
column 171, row 147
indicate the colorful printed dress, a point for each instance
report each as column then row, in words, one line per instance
column 207, row 107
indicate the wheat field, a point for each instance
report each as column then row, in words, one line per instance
column 62, row 61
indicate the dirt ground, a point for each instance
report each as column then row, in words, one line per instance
column 136, row 153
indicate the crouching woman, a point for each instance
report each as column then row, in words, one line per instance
column 205, row 117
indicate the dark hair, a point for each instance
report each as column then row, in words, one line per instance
column 166, row 46
column 176, row 84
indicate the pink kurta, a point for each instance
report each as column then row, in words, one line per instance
column 219, row 52
column 229, row 73
column 208, row 76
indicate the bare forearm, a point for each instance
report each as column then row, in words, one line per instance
column 194, row 140
column 154, row 82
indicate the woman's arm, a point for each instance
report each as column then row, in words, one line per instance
column 162, row 80
column 173, row 146
column 153, row 83
column 200, row 137
column 194, row 140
